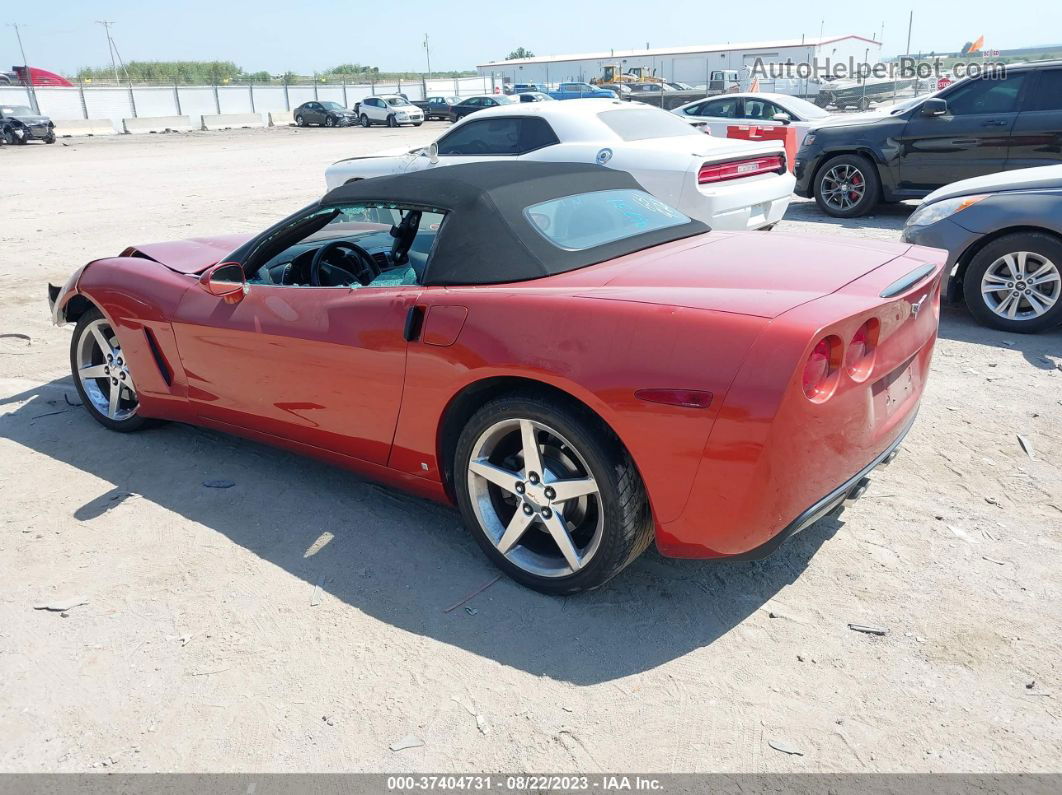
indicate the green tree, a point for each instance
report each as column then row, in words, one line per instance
column 519, row 52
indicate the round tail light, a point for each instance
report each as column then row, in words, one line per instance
column 859, row 360
column 821, row 368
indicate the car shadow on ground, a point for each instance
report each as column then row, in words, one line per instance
column 1043, row 351
column 399, row 559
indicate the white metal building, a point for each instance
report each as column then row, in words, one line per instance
column 691, row 65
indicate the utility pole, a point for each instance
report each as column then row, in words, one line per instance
column 110, row 46
column 427, row 54
column 25, row 64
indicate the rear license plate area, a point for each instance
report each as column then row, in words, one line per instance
column 892, row 391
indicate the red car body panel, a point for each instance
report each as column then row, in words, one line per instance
column 327, row 371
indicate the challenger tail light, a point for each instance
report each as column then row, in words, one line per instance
column 822, row 368
column 738, row 169
column 859, row 359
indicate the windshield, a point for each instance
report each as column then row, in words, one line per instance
column 396, row 102
column 803, row 108
column 16, row 110
column 333, row 106
column 638, row 124
column 586, row 220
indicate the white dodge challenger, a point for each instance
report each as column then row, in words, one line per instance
column 728, row 184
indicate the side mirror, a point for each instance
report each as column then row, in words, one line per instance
column 433, row 153
column 784, row 118
column 225, row 280
column 934, row 107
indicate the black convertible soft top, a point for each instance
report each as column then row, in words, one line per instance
column 486, row 238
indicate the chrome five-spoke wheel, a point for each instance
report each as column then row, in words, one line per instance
column 102, row 374
column 549, row 493
column 535, row 498
column 1021, row 285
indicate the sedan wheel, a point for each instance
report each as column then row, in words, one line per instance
column 1015, row 283
column 554, row 501
column 102, row 375
column 330, row 121
column 300, row 121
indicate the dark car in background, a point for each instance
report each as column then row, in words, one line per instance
column 1003, row 235
column 978, row 126
column 20, row 125
column 437, row 107
column 472, row 104
column 325, row 114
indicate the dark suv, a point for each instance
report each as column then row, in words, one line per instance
column 974, row 127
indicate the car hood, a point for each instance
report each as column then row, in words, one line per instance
column 189, row 256
column 1040, row 178
column 750, row 273
column 31, row 119
column 849, row 120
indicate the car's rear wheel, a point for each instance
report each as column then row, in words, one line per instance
column 1015, row 283
column 847, row 186
column 365, row 120
column 550, row 494
column 300, row 121
column 102, row 376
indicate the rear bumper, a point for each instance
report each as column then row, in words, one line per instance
column 742, row 205
column 849, row 491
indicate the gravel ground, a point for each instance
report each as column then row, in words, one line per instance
column 296, row 622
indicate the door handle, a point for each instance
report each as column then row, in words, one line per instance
column 995, row 123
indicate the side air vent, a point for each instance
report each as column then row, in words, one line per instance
column 160, row 360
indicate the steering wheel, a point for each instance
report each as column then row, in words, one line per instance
column 365, row 269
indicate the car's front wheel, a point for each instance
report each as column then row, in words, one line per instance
column 330, row 121
column 550, row 494
column 365, row 120
column 847, row 186
column 102, row 375
column 49, row 138
column 1015, row 283
column 392, row 121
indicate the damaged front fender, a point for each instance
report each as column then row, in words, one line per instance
column 59, row 298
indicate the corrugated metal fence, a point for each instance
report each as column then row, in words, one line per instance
column 127, row 102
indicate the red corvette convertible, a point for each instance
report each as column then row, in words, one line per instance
column 579, row 367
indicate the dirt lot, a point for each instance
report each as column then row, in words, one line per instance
column 200, row 648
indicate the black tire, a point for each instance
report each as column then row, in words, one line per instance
column 330, row 121
column 50, row 138
column 132, row 423
column 842, row 205
column 417, row 123
column 365, row 121
column 1044, row 248
column 300, row 121
column 392, row 121
column 9, row 137
column 618, row 511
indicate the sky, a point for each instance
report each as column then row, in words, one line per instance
column 62, row 35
